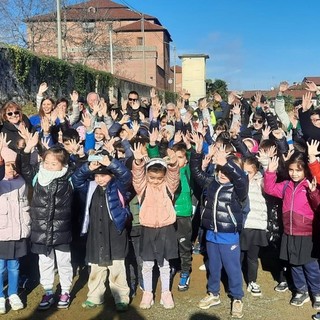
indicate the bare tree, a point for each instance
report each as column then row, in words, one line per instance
column 14, row 14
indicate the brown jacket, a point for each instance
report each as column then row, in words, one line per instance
column 157, row 209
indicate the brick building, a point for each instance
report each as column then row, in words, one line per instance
column 139, row 47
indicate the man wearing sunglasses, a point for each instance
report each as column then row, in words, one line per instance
column 134, row 107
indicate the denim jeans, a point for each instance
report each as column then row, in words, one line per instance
column 12, row 266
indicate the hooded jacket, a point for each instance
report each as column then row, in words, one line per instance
column 222, row 210
column 50, row 206
column 297, row 213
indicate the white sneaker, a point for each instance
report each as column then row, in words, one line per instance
column 2, row 305
column 202, row 267
column 254, row 288
column 15, row 302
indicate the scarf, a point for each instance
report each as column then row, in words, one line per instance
column 45, row 177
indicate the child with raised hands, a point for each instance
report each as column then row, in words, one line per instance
column 105, row 222
column 155, row 182
column 50, row 218
column 222, row 215
column 14, row 226
column 297, row 245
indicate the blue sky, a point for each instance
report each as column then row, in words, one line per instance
column 252, row 44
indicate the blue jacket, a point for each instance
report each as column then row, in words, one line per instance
column 223, row 206
column 117, row 192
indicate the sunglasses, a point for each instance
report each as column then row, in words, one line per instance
column 132, row 99
column 10, row 114
column 257, row 120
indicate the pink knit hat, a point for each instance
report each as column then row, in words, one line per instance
column 255, row 145
column 8, row 155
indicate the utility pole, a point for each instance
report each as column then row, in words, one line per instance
column 59, row 40
column 110, row 47
column 174, row 68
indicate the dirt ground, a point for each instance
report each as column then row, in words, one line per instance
column 271, row 305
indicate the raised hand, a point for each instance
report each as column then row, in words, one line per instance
column 257, row 97
column 307, row 101
column 220, row 157
column 45, row 125
column 172, row 157
column 103, row 108
column 273, row 164
column 266, row 132
column 288, row 156
column 108, row 145
column 86, row 120
column 313, row 184
column 23, row 132
column 3, row 141
column 236, row 108
column 105, row 161
column 45, row 143
column 311, row 86
column 42, row 88
column 231, row 98
column 74, row 96
column 32, row 142
column 153, row 136
column 198, row 141
column 313, row 150
column 206, row 161
column 187, row 139
column 137, row 151
column 278, row 134
column 177, row 137
column 153, row 93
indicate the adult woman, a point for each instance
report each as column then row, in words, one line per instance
column 12, row 117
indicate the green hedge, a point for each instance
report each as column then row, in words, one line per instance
column 60, row 75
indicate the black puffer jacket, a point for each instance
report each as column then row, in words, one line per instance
column 222, row 209
column 50, row 207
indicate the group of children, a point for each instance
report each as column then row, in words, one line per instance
column 132, row 180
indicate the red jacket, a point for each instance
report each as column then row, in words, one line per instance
column 297, row 214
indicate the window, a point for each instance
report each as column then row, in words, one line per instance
column 139, row 41
column 88, row 26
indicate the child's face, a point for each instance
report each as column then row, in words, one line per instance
column 222, row 178
column 51, row 163
column 182, row 158
column 102, row 179
column 250, row 169
column 296, row 173
column 10, row 170
column 155, row 178
column 98, row 135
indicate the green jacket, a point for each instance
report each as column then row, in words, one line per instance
column 183, row 196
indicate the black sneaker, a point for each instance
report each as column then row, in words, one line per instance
column 300, row 299
column 46, row 302
column 281, row 287
column 316, row 316
column 184, row 281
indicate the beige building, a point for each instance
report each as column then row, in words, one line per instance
column 194, row 75
column 107, row 36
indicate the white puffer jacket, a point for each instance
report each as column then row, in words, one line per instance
column 258, row 214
